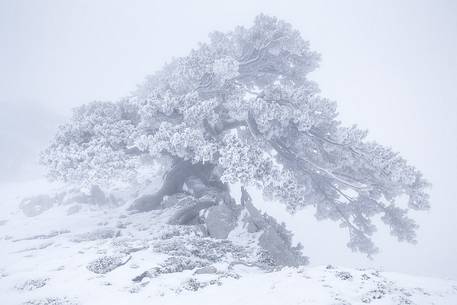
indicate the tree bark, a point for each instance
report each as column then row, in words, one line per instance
column 172, row 184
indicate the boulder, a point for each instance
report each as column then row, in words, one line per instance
column 195, row 186
column 206, row 270
column 97, row 196
column 187, row 210
column 147, row 202
column 185, row 216
column 178, row 200
column 221, row 220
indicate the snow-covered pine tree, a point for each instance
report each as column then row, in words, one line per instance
column 240, row 109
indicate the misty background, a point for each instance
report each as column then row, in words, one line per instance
column 390, row 65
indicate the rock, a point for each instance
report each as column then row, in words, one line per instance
column 144, row 275
column 188, row 211
column 97, row 196
column 171, row 265
column 185, row 216
column 252, row 227
column 34, row 206
column 206, row 270
column 220, row 221
column 73, row 209
column 107, row 263
column 195, row 186
column 147, row 202
column 178, row 200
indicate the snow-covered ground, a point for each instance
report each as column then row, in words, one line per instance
column 89, row 254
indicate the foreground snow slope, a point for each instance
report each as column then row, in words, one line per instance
column 94, row 255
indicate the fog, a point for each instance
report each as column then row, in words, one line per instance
column 392, row 67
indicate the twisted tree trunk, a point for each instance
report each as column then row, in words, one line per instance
column 173, row 183
column 205, row 192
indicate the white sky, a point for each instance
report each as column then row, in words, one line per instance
column 391, row 65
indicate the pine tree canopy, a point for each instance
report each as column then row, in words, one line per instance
column 241, row 109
